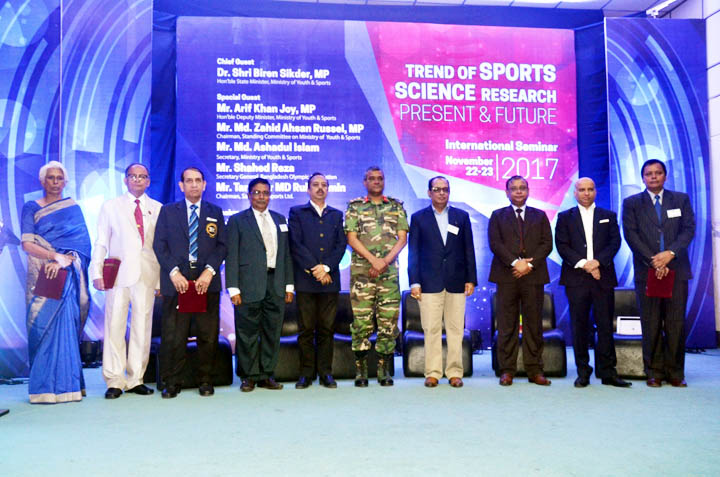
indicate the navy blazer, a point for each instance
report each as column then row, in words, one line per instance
column 571, row 244
column 437, row 266
column 642, row 231
column 172, row 242
column 246, row 264
column 313, row 240
column 504, row 239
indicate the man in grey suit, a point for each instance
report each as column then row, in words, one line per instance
column 259, row 279
column 659, row 225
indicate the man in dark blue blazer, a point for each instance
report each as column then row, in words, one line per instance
column 520, row 239
column 317, row 244
column 659, row 225
column 587, row 238
column 441, row 268
column 190, row 245
column 259, row 279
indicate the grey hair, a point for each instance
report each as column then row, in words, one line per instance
column 52, row 165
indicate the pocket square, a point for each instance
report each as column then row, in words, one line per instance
column 604, row 221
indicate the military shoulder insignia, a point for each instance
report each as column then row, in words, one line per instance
column 395, row 200
column 211, row 229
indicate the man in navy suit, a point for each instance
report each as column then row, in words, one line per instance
column 520, row 239
column 190, row 245
column 259, row 279
column 441, row 268
column 659, row 225
column 317, row 244
column 587, row 238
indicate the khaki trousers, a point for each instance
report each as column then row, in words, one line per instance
column 433, row 308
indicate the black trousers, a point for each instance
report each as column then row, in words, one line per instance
column 663, row 331
column 317, row 318
column 175, row 331
column 508, row 299
column 602, row 301
column 257, row 335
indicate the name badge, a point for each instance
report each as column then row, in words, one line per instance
column 283, row 227
column 210, row 219
column 453, row 229
column 603, row 221
column 672, row 213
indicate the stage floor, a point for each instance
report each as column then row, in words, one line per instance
column 480, row 429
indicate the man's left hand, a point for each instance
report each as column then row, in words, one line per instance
column 202, row 283
column 661, row 259
column 469, row 289
column 288, row 297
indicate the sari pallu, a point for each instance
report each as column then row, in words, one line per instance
column 55, row 326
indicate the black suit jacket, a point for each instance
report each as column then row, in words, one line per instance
column 313, row 240
column 504, row 238
column 246, row 264
column 172, row 242
column 642, row 231
column 572, row 246
column 437, row 266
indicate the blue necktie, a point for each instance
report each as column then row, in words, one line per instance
column 658, row 210
column 193, row 229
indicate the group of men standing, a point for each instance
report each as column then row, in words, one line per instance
column 179, row 248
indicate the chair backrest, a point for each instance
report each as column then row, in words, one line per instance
column 548, row 312
column 290, row 320
column 625, row 304
column 344, row 314
column 410, row 313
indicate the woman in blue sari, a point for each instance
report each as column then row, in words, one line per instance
column 54, row 236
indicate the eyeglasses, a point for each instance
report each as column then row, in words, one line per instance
column 137, row 177
column 520, row 189
column 440, row 189
column 264, row 193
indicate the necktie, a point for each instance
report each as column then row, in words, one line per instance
column 139, row 221
column 658, row 210
column 267, row 235
column 521, row 226
column 193, row 230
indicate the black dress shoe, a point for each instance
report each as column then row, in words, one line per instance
column 328, row 381
column 113, row 393
column 206, row 389
column 170, row 392
column 303, row 383
column 270, row 383
column 247, row 385
column 617, row 382
column 141, row 389
column 581, row 382
column 361, row 383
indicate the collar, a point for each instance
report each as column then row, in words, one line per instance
column 515, row 207
column 188, row 203
column 132, row 198
column 652, row 195
column 445, row 211
column 586, row 209
column 367, row 199
column 259, row 214
column 317, row 207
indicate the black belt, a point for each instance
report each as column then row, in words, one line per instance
column 270, row 270
column 193, row 264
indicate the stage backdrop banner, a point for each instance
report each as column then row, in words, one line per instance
column 657, row 109
column 282, row 99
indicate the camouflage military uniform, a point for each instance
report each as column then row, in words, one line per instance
column 376, row 226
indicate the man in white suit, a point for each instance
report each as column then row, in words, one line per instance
column 126, row 227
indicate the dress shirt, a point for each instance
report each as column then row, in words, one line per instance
column 188, row 211
column 320, row 211
column 522, row 215
column 442, row 219
column 587, row 214
column 271, row 257
column 653, row 194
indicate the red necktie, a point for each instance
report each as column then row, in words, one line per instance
column 139, row 221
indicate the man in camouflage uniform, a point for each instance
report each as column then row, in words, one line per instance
column 376, row 227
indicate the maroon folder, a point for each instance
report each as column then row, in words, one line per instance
column 110, row 271
column 50, row 288
column 191, row 301
column 659, row 288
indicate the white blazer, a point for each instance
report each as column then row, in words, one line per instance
column 118, row 237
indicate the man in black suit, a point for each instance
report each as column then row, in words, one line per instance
column 587, row 238
column 258, row 276
column 317, row 244
column 441, row 268
column 659, row 225
column 520, row 239
column 190, row 245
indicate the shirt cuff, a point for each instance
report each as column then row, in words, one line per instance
column 581, row 263
column 212, row 270
column 290, row 288
column 232, row 291
column 415, row 285
column 172, row 272
column 327, row 269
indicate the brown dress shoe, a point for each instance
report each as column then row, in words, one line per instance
column 270, row 383
column 654, row 383
column 247, row 385
column 677, row 383
column 456, row 382
column 540, row 380
column 506, row 379
column 431, row 382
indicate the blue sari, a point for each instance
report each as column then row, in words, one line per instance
column 55, row 326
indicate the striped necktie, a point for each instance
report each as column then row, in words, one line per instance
column 658, row 210
column 193, row 230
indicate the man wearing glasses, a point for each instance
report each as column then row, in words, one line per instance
column 125, row 231
column 259, row 279
column 441, row 267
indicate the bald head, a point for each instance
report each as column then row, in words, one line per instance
column 585, row 191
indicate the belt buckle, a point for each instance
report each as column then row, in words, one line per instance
column 193, row 264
